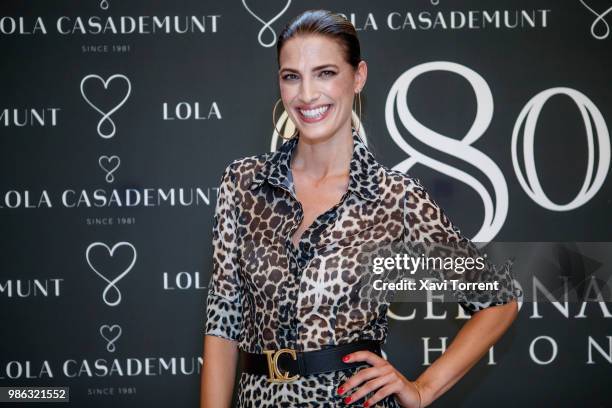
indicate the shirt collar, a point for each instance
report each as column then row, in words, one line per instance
column 363, row 173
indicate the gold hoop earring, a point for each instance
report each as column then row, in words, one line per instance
column 358, row 98
column 295, row 132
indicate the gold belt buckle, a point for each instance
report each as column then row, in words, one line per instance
column 274, row 374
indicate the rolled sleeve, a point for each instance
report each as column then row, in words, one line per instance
column 426, row 223
column 223, row 303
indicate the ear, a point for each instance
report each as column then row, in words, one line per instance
column 361, row 74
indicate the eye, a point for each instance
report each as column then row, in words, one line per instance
column 327, row 73
column 288, row 77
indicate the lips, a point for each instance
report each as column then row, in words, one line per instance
column 316, row 114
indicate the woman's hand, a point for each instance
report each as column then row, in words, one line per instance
column 382, row 378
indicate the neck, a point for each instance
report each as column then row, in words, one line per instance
column 322, row 158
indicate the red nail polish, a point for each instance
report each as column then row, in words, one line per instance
column 347, row 400
column 345, row 358
column 340, row 390
column 366, row 404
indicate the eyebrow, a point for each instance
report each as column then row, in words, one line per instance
column 314, row 69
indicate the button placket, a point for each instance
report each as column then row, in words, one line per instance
column 306, row 252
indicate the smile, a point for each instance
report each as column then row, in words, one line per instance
column 314, row 115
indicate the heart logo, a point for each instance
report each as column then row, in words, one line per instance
column 111, row 282
column 107, row 333
column 267, row 25
column 106, row 163
column 106, row 116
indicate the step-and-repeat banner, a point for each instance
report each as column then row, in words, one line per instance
column 118, row 117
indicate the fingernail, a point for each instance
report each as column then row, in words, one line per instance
column 340, row 390
column 366, row 404
column 345, row 358
column 347, row 400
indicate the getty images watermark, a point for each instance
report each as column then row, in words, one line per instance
column 474, row 273
column 486, row 273
column 410, row 265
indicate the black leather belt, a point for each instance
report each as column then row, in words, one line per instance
column 286, row 365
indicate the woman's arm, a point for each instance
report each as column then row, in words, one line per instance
column 223, row 302
column 220, row 357
column 427, row 228
column 474, row 339
column 489, row 320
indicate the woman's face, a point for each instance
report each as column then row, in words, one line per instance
column 317, row 85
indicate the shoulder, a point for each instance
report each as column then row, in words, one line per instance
column 409, row 193
column 403, row 184
column 240, row 171
column 424, row 217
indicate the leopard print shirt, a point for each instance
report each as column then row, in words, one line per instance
column 265, row 293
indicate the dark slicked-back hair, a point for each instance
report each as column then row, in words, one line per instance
column 325, row 23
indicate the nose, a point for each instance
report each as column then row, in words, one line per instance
column 308, row 91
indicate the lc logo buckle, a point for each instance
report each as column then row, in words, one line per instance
column 274, row 374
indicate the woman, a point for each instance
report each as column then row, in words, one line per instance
column 277, row 295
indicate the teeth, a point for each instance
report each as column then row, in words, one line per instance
column 314, row 113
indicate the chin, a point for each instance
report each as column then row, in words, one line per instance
column 316, row 132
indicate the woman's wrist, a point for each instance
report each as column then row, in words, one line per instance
column 424, row 395
column 418, row 389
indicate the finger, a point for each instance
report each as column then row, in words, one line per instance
column 362, row 375
column 364, row 355
column 391, row 388
column 370, row 386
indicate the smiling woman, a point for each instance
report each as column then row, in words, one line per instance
column 284, row 290
column 320, row 73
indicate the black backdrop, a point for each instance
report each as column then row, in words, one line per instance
column 115, row 131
